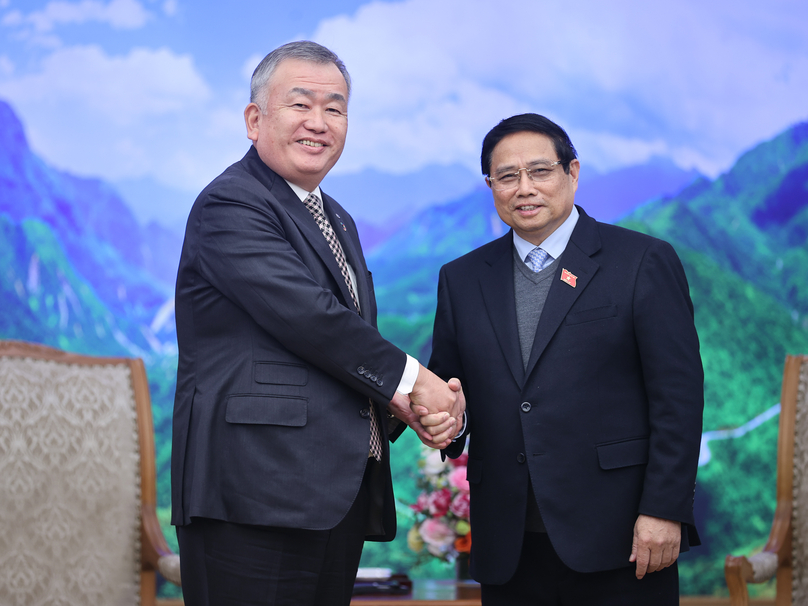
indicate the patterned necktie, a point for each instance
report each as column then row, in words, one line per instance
column 538, row 259
column 312, row 202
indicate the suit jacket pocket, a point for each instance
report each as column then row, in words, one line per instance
column 266, row 410
column 474, row 471
column 590, row 315
column 623, row 454
column 278, row 373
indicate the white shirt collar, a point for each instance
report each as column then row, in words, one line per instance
column 555, row 243
column 303, row 194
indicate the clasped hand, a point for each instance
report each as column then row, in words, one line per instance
column 434, row 409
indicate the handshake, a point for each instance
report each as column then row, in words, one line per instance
column 434, row 409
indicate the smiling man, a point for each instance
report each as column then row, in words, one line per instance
column 280, row 464
column 578, row 354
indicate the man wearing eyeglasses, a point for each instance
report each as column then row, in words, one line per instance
column 575, row 343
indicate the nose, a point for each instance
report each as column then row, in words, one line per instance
column 526, row 185
column 315, row 120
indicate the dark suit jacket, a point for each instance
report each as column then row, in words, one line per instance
column 606, row 420
column 276, row 368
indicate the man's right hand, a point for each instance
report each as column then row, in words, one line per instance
column 431, row 395
column 435, row 423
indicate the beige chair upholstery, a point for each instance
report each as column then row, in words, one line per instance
column 77, row 481
column 786, row 552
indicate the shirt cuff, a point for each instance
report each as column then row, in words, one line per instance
column 462, row 429
column 409, row 377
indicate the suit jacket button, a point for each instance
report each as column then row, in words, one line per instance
column 361, row 370
column 379, row 382
column 372, row 378
column 525, row 407
column 364, row 413
column 520, row 458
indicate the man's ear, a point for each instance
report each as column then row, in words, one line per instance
column 252, row 116
column 575, row 168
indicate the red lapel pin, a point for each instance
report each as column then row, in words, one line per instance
column 568, row 277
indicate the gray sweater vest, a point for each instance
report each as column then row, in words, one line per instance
column 531, row 291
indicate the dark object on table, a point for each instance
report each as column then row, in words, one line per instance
column 396, row 584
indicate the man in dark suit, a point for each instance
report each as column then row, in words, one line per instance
column 280, row 463
column 576, row 347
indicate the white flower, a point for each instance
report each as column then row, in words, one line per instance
column 433, row 465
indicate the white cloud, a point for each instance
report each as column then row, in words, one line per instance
column 148, row 112
column 120, row 14
column 118, row 88
column 697, row 81
column 248, row 67
column 6, row 66
column 170, row 7
column 13, row 18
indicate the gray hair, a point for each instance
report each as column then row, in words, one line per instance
column 303, row 50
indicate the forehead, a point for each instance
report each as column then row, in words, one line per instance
column 522, row 148
column 293, row 75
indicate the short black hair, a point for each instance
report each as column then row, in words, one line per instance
column 533, row 123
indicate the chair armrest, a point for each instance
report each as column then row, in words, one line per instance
column 762, row 566
column 758, row 568
column 737, row 571
column 169, row 567
column 741, row 570
column 155, row 554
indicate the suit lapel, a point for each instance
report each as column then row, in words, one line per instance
column 576, row 260
column 496, row 283
column 353, row 253
column 302, row 218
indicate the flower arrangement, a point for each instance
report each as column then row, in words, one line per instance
column 442, row 509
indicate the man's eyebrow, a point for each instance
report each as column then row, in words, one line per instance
column 310, row 94
column 301, row 91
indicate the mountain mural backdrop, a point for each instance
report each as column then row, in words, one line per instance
column 78, row 272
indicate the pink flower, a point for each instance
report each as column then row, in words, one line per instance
column 458, row 479
column 460, row 461
column 439, row 502
column 421, row 504
column 437, row 535
column 460, row 505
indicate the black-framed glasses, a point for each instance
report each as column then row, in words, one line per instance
column 537, row 174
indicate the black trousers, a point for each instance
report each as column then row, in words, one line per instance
column 542, row 579
column 226, row 564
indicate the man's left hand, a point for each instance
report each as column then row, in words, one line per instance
column 656, row 544
column 439, row 435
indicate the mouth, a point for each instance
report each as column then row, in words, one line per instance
column 310, row 143
column 528, row 207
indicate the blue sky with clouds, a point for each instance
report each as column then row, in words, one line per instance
column 154, row 90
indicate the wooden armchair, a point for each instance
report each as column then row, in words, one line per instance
column 786, row 552
column 77, row 481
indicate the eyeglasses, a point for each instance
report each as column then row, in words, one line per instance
column 537, row 174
